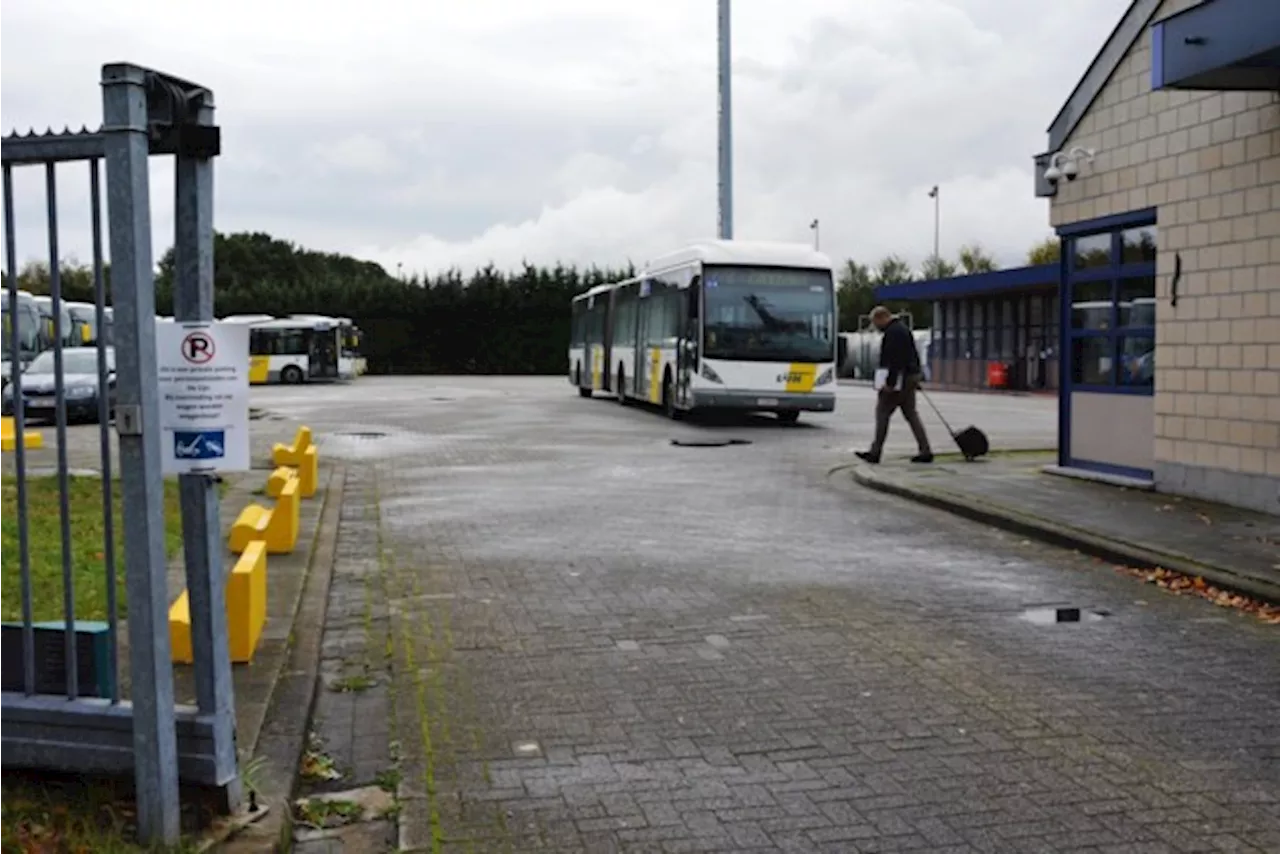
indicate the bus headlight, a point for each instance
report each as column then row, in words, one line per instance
column 825, row 377
column 709, row 374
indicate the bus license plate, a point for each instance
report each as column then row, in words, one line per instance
column 766, row 401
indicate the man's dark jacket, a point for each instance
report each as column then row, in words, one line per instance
column 898, row 353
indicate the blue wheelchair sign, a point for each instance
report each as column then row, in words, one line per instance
column 199, row 445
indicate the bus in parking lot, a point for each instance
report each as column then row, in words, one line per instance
column 721, row 324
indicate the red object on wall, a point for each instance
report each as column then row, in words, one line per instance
column 997, row 375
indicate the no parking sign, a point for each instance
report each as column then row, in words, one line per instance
column 204, row 396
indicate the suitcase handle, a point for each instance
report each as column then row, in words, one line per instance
column 937, row 412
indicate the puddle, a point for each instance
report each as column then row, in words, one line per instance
column 1047, row 615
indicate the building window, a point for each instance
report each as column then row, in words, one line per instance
column 1110, row 295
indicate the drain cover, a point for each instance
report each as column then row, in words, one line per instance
column 364, row 435
column 708, row 443
column 1051, row 614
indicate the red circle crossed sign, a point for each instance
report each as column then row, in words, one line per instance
column 198, row 348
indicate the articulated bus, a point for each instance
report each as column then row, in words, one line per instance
column 722, row 324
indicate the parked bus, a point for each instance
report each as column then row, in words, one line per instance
column 71, row 334
column 293, row 351
column 32, row 333
column 350, row 362
column 85, row 317
column 721, row 324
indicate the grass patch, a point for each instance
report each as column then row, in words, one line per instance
column 88, row 560
column 49, row 813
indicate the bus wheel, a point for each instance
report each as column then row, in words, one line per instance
column 620, row 388
column 291, row 374
column 789, row 416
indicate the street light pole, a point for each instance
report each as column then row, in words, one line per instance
column 726, row 125
column 814, row 227
column 937, row 218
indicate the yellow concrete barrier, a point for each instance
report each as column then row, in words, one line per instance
column 9, row 436
column 278, row 478
column 291, row 455
column 309, row 472
column 246, row 609
column 250, row 525
column 277, row 526
column 247, row 601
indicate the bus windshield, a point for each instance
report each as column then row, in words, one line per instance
column 769, row 314
column 28, row 328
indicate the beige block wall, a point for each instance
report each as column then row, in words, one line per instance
column 1210, row 163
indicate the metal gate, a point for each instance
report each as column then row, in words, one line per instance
column 64, row 707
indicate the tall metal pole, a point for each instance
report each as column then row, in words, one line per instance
column 201, row 520
column 726, row 125
column 937, row 218
column 814, row 225
column 155, row 746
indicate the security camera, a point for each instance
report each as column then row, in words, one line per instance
column 1066, row 164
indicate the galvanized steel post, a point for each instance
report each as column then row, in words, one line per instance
column 126, row 149
column 201, row 525
column 725, row 66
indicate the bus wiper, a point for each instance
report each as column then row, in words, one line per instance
column 771, row 323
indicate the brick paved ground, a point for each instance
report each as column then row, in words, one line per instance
column 597, row 641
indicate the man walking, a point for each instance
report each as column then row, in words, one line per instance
column 901, row 374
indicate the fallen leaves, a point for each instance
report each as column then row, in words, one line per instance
column 1177, row 582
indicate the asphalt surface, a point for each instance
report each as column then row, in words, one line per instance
column 600, row 641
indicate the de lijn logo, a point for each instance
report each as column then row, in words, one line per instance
column 199, row 444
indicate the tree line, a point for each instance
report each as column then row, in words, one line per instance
column 488, row 322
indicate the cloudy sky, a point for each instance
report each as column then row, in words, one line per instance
column 437, row 133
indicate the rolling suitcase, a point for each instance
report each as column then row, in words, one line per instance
column 971, row 441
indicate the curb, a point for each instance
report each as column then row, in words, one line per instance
column 1065, row 536
column 283, row 736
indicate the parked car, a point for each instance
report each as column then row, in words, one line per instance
column 79, row 385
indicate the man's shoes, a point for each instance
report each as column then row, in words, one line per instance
column 922, row 458
column 868, row 457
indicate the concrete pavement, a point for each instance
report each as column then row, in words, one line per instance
column 579, row 637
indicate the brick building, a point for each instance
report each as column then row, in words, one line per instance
column 1162, row 172
column 1171, row 251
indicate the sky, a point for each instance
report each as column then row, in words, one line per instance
column 426, row 134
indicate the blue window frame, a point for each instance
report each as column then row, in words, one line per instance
column 1108, row 308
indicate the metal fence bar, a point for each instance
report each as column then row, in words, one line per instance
column 104, row 434
column 201, row 525
column 19, row 432
column 60, row 412
column 126, row 145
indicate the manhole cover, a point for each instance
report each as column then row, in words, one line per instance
column 364, row 435
column 1051, row 614
column 708, row 443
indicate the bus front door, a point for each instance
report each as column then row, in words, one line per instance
column 322, row 358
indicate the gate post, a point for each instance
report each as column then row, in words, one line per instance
column 126, row 149
column 201, row 525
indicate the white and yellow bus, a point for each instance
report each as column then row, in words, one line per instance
column 351, row 363
column 722, row 324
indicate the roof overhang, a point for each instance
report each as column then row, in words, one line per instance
column 998, row 281
column 1218, row 45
